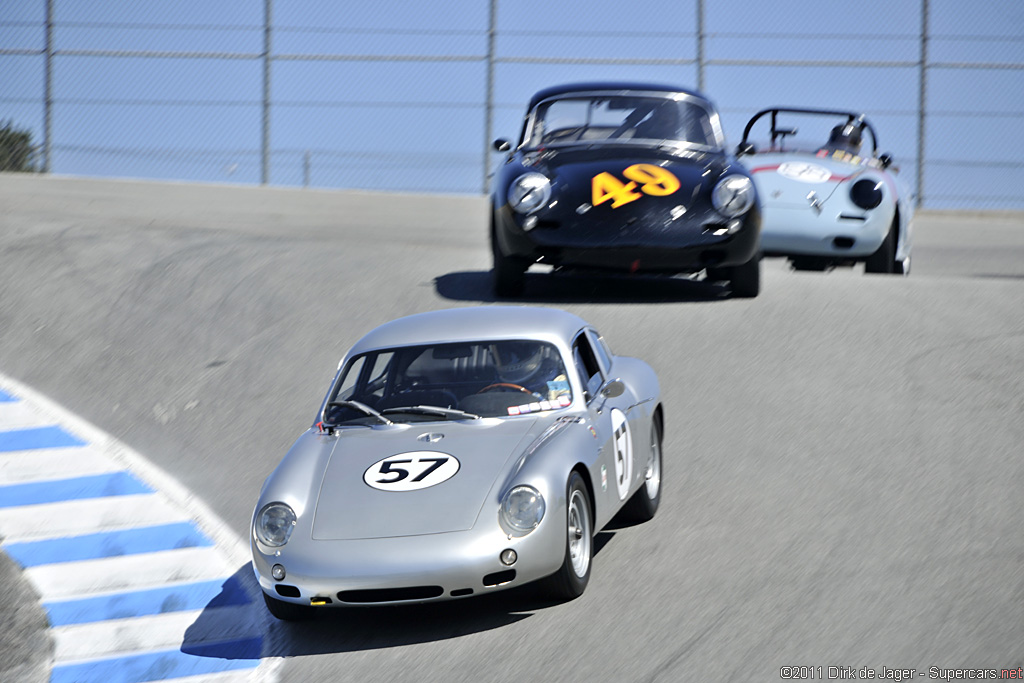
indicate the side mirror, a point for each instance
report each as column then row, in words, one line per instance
column 745, row 148
column 502, row 145
column 613, row 388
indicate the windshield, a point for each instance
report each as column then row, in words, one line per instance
column 449, row 381
column 822, row 135
column 620, row 118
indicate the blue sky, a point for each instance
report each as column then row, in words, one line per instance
column 396, row 124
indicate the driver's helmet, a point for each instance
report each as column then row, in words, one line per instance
column 517, row 362
column 846, row 137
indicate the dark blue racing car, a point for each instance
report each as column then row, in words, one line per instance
column 624, row 177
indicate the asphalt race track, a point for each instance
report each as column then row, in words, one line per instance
column 843, row 454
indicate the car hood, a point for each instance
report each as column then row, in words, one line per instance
column 788, row 179
column 348, row 507
column 649, row 212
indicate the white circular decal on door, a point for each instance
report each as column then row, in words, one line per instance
column 623, row 452
column 804, row 172
column 411, row 471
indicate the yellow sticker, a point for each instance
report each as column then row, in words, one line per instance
column 652, row 180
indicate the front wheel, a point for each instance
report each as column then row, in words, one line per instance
column 745, row 279
column 644, row 503
column 572, row 578
column 509, row 273
column 884, row 259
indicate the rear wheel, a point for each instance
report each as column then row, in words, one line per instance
column 572, row 578
column 902, row 267
column 288, row 611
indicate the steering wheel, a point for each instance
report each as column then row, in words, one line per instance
column 505, row 385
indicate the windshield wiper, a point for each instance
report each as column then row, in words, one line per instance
column 431, row 410
column 363, row 408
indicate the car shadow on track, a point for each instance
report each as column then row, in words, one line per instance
column 353, row 629
column 554, row 288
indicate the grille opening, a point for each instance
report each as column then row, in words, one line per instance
column 843, row 242
column 286, row 591
column 392, row 594
column 498, row 578
column 711, row 257
column 459, row 592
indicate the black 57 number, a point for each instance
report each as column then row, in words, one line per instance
column 421, row 466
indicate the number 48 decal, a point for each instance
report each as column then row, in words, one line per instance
column 411, row 471
column 650, row 179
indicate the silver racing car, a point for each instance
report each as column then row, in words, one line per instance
column 457, row 453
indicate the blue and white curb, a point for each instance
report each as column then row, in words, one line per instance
column 137, row 576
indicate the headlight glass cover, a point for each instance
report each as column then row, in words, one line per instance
column 733, row 195
column 529, row 192
column 867, row 193
column 522, row 509
column 274, row 524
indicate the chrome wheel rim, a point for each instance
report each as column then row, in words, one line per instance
column 579, row 534
column 652, row 475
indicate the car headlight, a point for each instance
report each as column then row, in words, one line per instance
column 274, row 524
column 867, row 194
column 529, row 192
column 522, row 508
column 733, row 195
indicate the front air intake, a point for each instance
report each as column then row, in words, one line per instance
column 391, row 594
column 498, row 578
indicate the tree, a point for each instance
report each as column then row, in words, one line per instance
column 17, row 153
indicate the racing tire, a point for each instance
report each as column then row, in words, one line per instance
column 884, row 259
column 809, row 263
column 745, row 279
column 572, row 578
column 902, row 267
column 288, row 611
column 509, row 273
column 642, row 506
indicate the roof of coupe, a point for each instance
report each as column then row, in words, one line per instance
column 476, row 322
column 609, row 86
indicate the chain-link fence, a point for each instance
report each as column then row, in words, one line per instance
column 404, row 96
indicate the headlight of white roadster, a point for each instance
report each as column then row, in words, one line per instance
column 733, row 195
column 274, row 524
column 529, row 192
column 522, row 508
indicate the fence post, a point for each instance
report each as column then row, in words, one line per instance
column 700, row 45
column 489, row 96
column 48, row 89
column 268, row 10
column 922, row 102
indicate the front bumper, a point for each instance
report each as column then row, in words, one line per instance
column 408, row 569
column 799, row 231
column 643, row 246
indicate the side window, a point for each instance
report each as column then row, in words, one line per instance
column 365, row 378
column 348, row 383
column 586, row 365
column 601, row 349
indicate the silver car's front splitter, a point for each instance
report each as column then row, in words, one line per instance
column 381, row 571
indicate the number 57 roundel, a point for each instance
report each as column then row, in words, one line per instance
column 411, row 471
